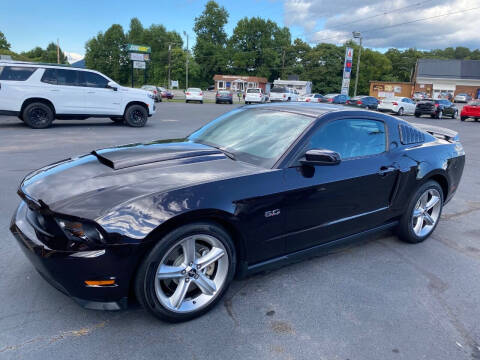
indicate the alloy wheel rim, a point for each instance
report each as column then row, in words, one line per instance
column 192, row 273
column 38, row 116
column 426, row 212
column 137, row 116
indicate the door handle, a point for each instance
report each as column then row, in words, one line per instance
column 385, row 170
column 90, row 92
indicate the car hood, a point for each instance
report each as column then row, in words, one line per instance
column 91, row 185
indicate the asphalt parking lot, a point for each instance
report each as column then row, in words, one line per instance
column 379, row 299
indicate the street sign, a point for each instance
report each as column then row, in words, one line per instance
column 139, row 48
column 139, row 65
column 139, row 57
column 174, row 84
column 347, row 69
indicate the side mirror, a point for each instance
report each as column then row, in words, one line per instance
column 112, row 85
column 321, row 157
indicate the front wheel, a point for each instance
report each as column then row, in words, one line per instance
column 136, row 116
column 187, row 272
column 440, row 114
column 455, row 114
column 422, row 214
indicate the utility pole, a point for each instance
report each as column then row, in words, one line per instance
column 357, row 35
column 58, row 52
column 186, row 63
column 283, row 64
column 169, row 64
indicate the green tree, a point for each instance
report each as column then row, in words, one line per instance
column 210, row 49
column 258, row 47
column 4, row 44
column 48, row 55
column 107, row 53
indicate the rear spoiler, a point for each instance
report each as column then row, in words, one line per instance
column 438, row 132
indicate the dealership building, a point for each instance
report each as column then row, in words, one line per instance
column 436, row 78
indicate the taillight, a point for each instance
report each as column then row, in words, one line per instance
column 284, row 95
column 307, row 100
column 330, row 100
column 155, row 92
column 359, row 102
column 218, row 95
column 394, row 103
column 201, row 94
column 436, row 105
column 187, row 93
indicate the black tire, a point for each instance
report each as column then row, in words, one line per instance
column 136, row 116
column 144, row 280
column 400, row 112
column 231, row 102
column 417, row 115
column 38, row 115
column 201, row 101
column 463, row 118
column 118, row 120
column 455, row 114
column 405, row 228
column 439, row 114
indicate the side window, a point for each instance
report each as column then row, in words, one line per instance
column 50, row 76
column 351, row 138
column 94, row 80
column 67, row 77
column 16, row 73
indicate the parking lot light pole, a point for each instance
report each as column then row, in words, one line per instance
column 186, row 63
column 357, row 35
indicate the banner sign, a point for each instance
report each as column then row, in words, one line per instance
column 347, row 70
column 139, row 65
column 139, row 48
column 139, row 57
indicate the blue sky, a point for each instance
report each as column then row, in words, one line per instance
column 29, row 23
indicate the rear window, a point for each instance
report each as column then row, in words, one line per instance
column 194, row 90
column 16, row 73
column 278, row 90
column 224, row 92
column 253, row 91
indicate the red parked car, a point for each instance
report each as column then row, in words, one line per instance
column 471, row 110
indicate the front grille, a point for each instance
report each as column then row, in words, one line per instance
column 410, row 135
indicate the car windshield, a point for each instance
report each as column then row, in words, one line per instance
column 253, row 91
column 256, row 136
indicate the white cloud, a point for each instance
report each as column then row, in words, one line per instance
column 333, row 22
column 73, row 57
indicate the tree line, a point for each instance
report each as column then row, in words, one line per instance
column 257, row 47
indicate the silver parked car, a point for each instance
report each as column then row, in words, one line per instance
column 462, row 97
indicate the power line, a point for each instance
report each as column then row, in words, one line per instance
column 408, row 22
column 373, row 16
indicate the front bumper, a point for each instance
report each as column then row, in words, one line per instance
column 67, row 271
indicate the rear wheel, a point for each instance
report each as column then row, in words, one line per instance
column 201, row 101
column 400, row 112
column 38, row 115
column 136, row 116
column 455, row 114
column 440, row 115
column 417, row 114
column 187, row 272
column 422, row 214
column 463, row 118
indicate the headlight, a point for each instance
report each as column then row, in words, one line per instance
column 81, row 231
column 151, row 96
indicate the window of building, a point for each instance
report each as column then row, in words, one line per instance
column 221, row 84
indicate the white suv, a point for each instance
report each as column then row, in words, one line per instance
column 255, row 95
column 283, row 94
column 38, row 94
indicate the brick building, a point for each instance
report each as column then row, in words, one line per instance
column 436, row 78
column 239, row 83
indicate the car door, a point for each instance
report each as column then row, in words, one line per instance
column 99, row 98
column 331, row 202
column 62, row 86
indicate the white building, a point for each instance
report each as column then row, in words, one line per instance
column 302, row 87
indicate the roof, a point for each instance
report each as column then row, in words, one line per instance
column 448, row 69
column 291, row 82
column 240, row 77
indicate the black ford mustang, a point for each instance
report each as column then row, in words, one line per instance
column 173, row 221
